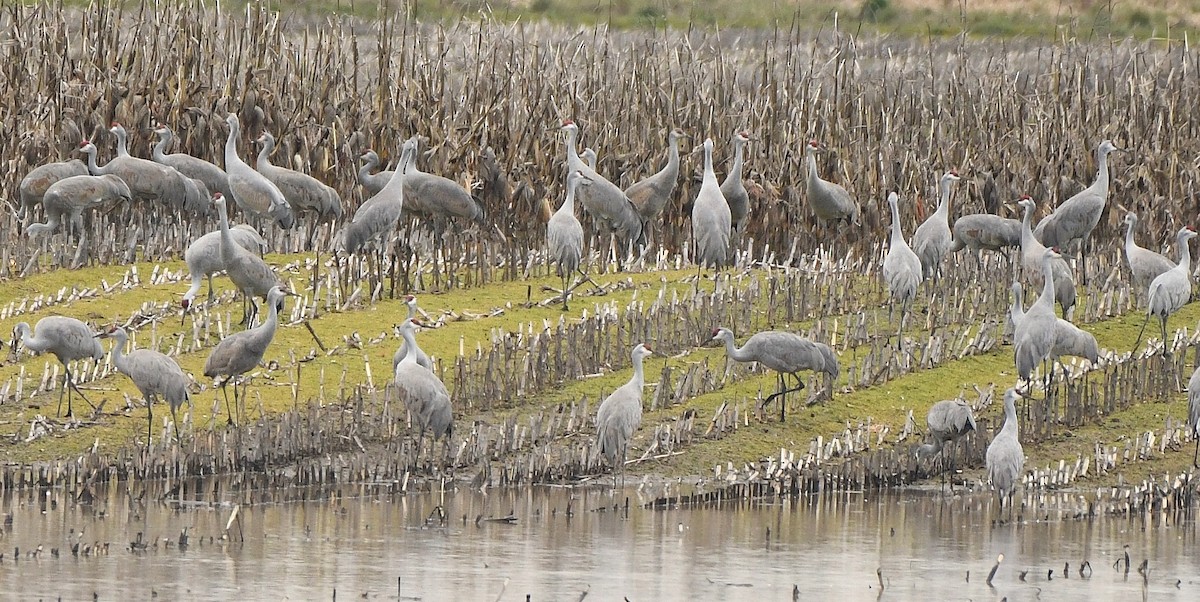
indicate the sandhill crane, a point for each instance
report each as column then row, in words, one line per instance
column 72, row 196
column 651, row 195
column 620, row 415
column 1144, row 264
column 564, row 235
column 378, row 215
column 304, row 193
column 241, row 352
column 494, row 185
column 1005, row 458
column 1032, row 253
column 425, row 396
column 152, row 181
column 733, row 188
column 203, row 258
column 1034, row 334
column 404, row 349
column 68, row 339
column 249, row 273
column 215, row 179
column 154, row 374
column 984, row 231
column 252, row 191
column 949, row 420
column 785, row 353
column 1068, row 338
column 1170, row 290
column 901, row 270
column 438, row 196
column 711, row 220
column 829, row 201
column 1076, row 217
column 1193, row 420
column 35, row 183
column 372, row 183
column 931, row 241
column 603, row 200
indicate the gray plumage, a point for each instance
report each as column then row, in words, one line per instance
column 901, row 269
column 589, row 156
column 249, row 273
column 1032, row 253
column 304, row 193
column 154, row 374
column 203, row 257
column 620, row 414
column 603, row 200
column 1076, row 217
column 712, row 222
column 784, row 352
column 214, row 178
column 1034, row 334
column 149, row 180
column 71, row 196
column 372, row 183
column 35, row 183
column 377, row 217
column 1172, row 289
column 242, row 351
column 984, row 231
column 68, row 340
column 733, row 188
column 1069, row 339
column 252, row 191
column 425, row 396
column 1017, row 310
column 949, row 421
column 437, row 196
column 1005, row 457
column 931, row 241
column 402, row 351
column 829, row 201
column 1144, row 264
column 651, row 195
column 1193, row 420
column 564, row 234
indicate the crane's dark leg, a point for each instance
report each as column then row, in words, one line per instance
column 228, row 408
column 1141, row 332
column 1166, row 352
column 68, row 385
column 1196, row 454
column 566, row 279
column 942, row 467
column 211, row 295
column 175, row 424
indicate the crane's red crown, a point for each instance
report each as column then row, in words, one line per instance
column 954, row 172
column 1190, row 229
column 814, row 144
column 409, row 298
column 83, row 143
column 567, row 122
column 115, row 124
column 1026, row 197
column 647, row 348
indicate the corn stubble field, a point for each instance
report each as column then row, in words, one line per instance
column 525, row 376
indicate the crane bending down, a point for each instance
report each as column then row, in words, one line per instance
column 35, row 183
column 1005, row 457
column 785, row 353
column 154, row 374
column 1144, row 264
column 422, row 357
column 425, row 396
column 203, row 258
column 1193, row 420
column 1034, row 334
column 711, row 219
column 604, row 201
column 68, row 339
column 949, row 420
column 931, row 241
column 1032, row 253
column 620, row 415
column 901, row 270
column 1069, row 339
column 70, row 197
column 1170, row 290
column 984, row 231
column 564, row 235
column 1076, row 217
column 241, row 352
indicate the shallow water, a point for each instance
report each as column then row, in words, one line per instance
column 357, row 542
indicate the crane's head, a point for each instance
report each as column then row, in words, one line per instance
column 641, row 351
column 162, row 130
column 85, row 146
column 1026, row 202
column 369, row 156
column 952, row 175
column 743, row 136
column 1107, row 146
column 720, row 334
column 893, row 198
column 813, row 146
column 676, row 134
column 218, row 201
column 266, row 139
column 568, row 125
column 116, row 125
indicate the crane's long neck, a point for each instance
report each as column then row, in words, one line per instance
column 943, row 208
column 412, row 310
column 122, row 142
column 227, row 251
column 1185, row 255
column 194, row 289
column 1010, row 418
column 709, row 175
column 1048, row 287
column 733, row 351
column 120, row 339
column 364, row 172
column 735, row 172
column 1026, row 228
column 1129, row 243
column 91, row 161
column 810, row 158
column 639, row 377
column 231, row 152
column 264, row 154
column 1101, row 183
column 159, row 152
column 1017, row 311
column 569, row 204
column 410, row 345
column 897, row 234
column 572, row 153
column 397, row 180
